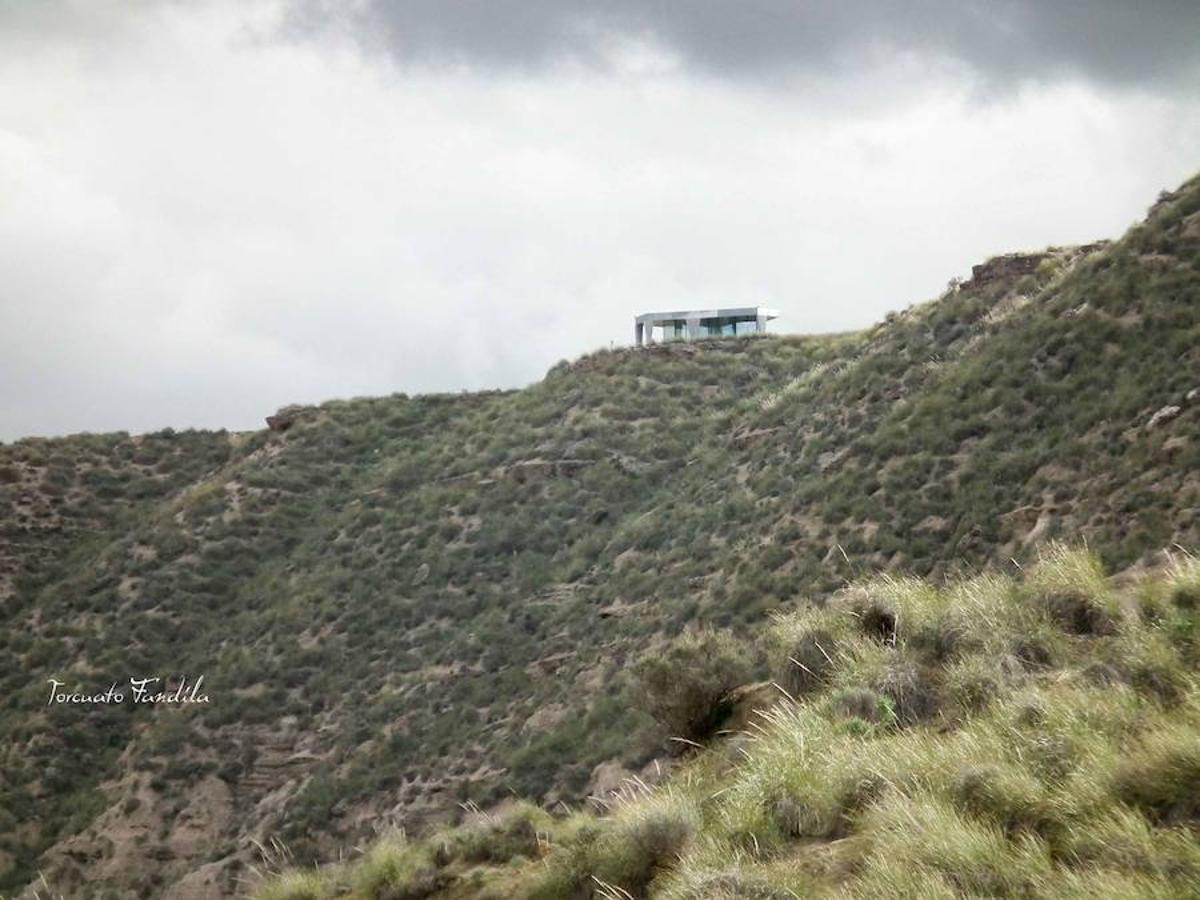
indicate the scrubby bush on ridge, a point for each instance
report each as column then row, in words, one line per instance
column 685, row 684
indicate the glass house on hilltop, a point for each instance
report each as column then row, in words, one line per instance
column 698, row 324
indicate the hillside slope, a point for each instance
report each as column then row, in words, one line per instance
column 399, row 604
column 1031, row 737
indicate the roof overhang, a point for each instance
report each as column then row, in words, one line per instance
column 729, row 312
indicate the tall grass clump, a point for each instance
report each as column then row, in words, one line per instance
column 395, row 868
column 517, row 831
column 920, row 846
column 876, row 637
column 1182, row 619
column 1000, row 628
column 646, row 838
column 641, row 839
column 717, row 870
column 1125, row 840
column 906, row 610
column 295, row 885
column 796, row 780
column 1183, row 581
column 1147, row 660
column 1160, row 775
column 803, row 647
column 1070, row 585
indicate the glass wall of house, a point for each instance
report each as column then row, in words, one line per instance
column 727, row 326
column 716, row 326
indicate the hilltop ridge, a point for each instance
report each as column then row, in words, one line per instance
column 401, row 604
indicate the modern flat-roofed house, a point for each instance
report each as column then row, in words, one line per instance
column 697, row 324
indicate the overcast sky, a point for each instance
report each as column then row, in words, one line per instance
column 209, row 210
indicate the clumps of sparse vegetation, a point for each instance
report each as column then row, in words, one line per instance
column 516, row 832
column 436, row 599
column 925, row 751
column 394, row 867
column 397, row 867
column 1160, row 773
column 1183, row 583
column 642, row 837
column 1071, row 588
column 296, row 885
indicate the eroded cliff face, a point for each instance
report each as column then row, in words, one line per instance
column 403, row 604
column 1009, row 269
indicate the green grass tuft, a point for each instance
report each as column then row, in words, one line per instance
column 1070, row 585
column 295, row 885
column 1160, row 775
column 394, row 868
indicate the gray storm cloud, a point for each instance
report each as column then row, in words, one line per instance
column 1006, row 40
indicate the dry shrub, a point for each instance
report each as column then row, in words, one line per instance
column 685, row 686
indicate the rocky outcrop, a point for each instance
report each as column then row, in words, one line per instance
column 147, row 840
column 1008, row 268
column 212, row 881
column 745, row 437
column 1166, row 414
column 281, row 758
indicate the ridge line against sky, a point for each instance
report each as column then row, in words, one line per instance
column 209, row 210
